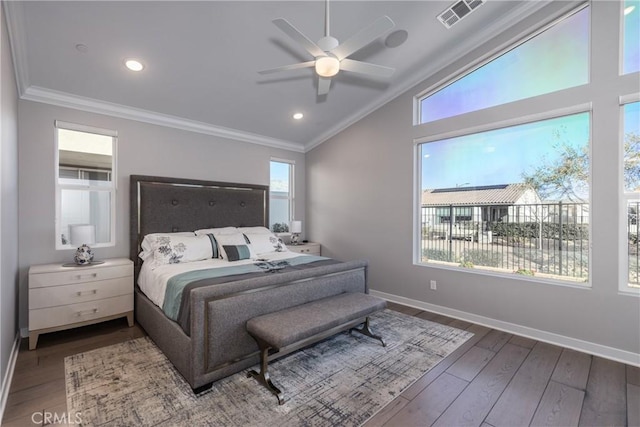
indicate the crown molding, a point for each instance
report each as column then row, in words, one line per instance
column 423, row 71
column 63, row 99
column 18, row 41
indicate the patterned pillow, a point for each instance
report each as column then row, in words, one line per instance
column 179, row 249
column 263, row 243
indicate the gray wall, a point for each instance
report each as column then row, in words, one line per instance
column 8, row 201
column 143, row 149
column 360, row 204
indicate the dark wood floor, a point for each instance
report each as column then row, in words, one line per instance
column 494, row 379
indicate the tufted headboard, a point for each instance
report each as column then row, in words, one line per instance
column 161, row 204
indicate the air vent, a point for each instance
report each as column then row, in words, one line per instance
column 457, row 11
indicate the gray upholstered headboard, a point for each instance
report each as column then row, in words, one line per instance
column 171, row 204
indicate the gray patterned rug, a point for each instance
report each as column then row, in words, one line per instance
column 342, row 381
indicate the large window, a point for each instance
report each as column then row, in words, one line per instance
column 555, row 59
column 85, row 185
column 281, row 195
column 631, row 191
column 513, row 199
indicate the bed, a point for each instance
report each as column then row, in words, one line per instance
column 211, row 342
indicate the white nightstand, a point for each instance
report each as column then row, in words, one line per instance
column 310, row 248
column 68, row 297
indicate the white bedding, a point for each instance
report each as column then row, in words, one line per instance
column 153, row 281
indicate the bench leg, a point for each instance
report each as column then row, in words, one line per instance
column 263, row 376
column 365, row 330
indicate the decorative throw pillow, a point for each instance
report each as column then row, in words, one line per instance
column 263, row 243
column 179, row 249
column 237, row 252
column 149, row 241
column 232, row 240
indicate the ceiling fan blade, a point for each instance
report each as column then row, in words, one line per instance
column 289, row 67
column 366, row 68
column 363, row 37
column 324, row 84
column 295, row 34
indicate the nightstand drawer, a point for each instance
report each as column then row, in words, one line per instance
column 310, row 248
column 78, row 275
column 81, row 312
column 80, row 292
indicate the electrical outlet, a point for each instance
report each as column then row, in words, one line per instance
column 432, row 284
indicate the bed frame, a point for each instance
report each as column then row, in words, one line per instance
column 219, row 344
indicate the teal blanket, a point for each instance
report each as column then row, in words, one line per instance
column 177, row 283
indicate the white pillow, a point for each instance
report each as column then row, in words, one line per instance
column 149, row 239
column 236, row 239
column 263, row 243
column 180, row 249
column 217, row 231
column 254, row 230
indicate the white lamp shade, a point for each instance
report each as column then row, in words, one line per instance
column 296, row 227
column 82, row 234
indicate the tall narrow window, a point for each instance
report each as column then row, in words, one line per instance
column 555, row 59
column 281, row 195
column 631, row 190
column 85, row 185
column 631, row 36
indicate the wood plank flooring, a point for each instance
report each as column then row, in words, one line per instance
column 494, row 379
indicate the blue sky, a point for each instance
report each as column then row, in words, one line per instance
column 499, row 156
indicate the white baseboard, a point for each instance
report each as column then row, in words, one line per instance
column 606, row 352
column 8, row 375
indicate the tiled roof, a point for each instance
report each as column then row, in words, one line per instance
column 506, row 194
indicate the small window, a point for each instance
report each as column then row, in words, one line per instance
column 555, row 59
column 85, row 185
column 631, row 37
column 281, row 195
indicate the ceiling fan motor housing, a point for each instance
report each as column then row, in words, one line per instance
column 328, row 43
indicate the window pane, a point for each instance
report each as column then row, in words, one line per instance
column 86, row 207
column 512, row 200
column 556, row 59
column 632, row 188
column 84, row 158
column 280, row 193
column 632, row 147
column 631, row 42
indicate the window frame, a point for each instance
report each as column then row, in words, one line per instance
column 291, row 195
column 625, row 197
column 111, row 189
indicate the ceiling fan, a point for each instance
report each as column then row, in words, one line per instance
column 331, row 56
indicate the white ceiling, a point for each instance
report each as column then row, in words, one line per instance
column 202, row 60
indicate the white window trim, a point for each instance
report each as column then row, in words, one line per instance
column 58, row 124
column 292, row 186
column 624, row 197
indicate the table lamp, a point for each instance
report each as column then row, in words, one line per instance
column 296, row 229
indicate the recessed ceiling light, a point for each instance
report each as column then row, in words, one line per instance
column 298, row 116
column 82, row 48
column 134, row 65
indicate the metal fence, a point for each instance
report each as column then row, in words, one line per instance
column 533, row 239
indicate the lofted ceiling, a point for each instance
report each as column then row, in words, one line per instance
column 202, row 60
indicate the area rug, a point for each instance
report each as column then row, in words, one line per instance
column 343, row 381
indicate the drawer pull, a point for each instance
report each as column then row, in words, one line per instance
column 87, row 276
column 86, row 312
column 83, row 293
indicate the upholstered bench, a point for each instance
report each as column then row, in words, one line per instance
column 284, row 331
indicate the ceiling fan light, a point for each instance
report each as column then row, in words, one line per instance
column 327, row 66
